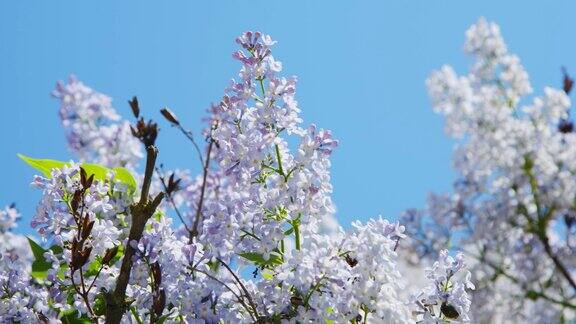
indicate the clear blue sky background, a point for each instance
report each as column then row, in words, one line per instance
column 361, row 64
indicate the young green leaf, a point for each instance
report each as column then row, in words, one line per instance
column 43, row 165
column 100, row 172
column 258, row 259
column 124, row 176
column 71, row 317
column 40, row 266
column 37, row 250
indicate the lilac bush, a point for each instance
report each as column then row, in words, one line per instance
column 247, row 240
column 513, row 210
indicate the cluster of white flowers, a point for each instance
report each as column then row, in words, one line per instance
column 93, row 128
column 251, row 245
column 513, row 207
column 447, row 291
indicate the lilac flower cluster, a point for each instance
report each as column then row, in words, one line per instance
column 93, row 128
column 260, row 206
column 448, row 293
column 512, row 210
column 85, row 221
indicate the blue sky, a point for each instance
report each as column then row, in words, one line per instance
column 361, row 65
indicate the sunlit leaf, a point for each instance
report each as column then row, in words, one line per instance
column 100, row 172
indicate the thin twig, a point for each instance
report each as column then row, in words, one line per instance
column 82, row 294
column 194, row 231
column 540, row 226
column 500, row 270
column 171, row 199
column 241, row 285
column 239, row 297
column 95, row 277
column 556, row 260
column 189, row 135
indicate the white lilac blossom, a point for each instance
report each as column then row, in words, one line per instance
column 12, row 245
column 93, row 128
column 8, row 219
column 252, row 246
column 447, row 295
column 19, row 302
column 512, row 211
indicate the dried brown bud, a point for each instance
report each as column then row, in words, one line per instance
column 135, row 106
column 74, row 245
column 296, row 301
column 449, row 311
column 266, row 320
column 87, row 227
column 109, row 255
column 156, row 274
column 351, row 261
column 85, row 181
column 83, row 177
column 76, row 198
column 79, row 258
column 159, row 302
column 134, row 131
column 570, row 220
column 145, row 132
column 567, row 82
column 84, row 255
column 89, row 181
column 169, row 115
column 42, row 318
column 565, row 126
column 173, row 185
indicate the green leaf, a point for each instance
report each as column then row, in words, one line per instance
column 43, row 165
column 267, row 275
column 62, row 271
column 37, row 250
column 56, row 249
column 99, row 305
column 71, row 317
column 40, row 266
column 118, row 256
column 258, row 259
column 40, row 270
column 532, row 295
column 93, row 268
column 100, row 172
column 163, row 318
column 124, row 176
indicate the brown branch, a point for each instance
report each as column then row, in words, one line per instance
column 189, row 135
column 239, row 297
column 500, row 271
column 82, row 293
column 95, row 277
column 556, row 260
column 141, row 212
column 242, row 286
column 540, row 226
column 151, row 154
column 194, row 231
